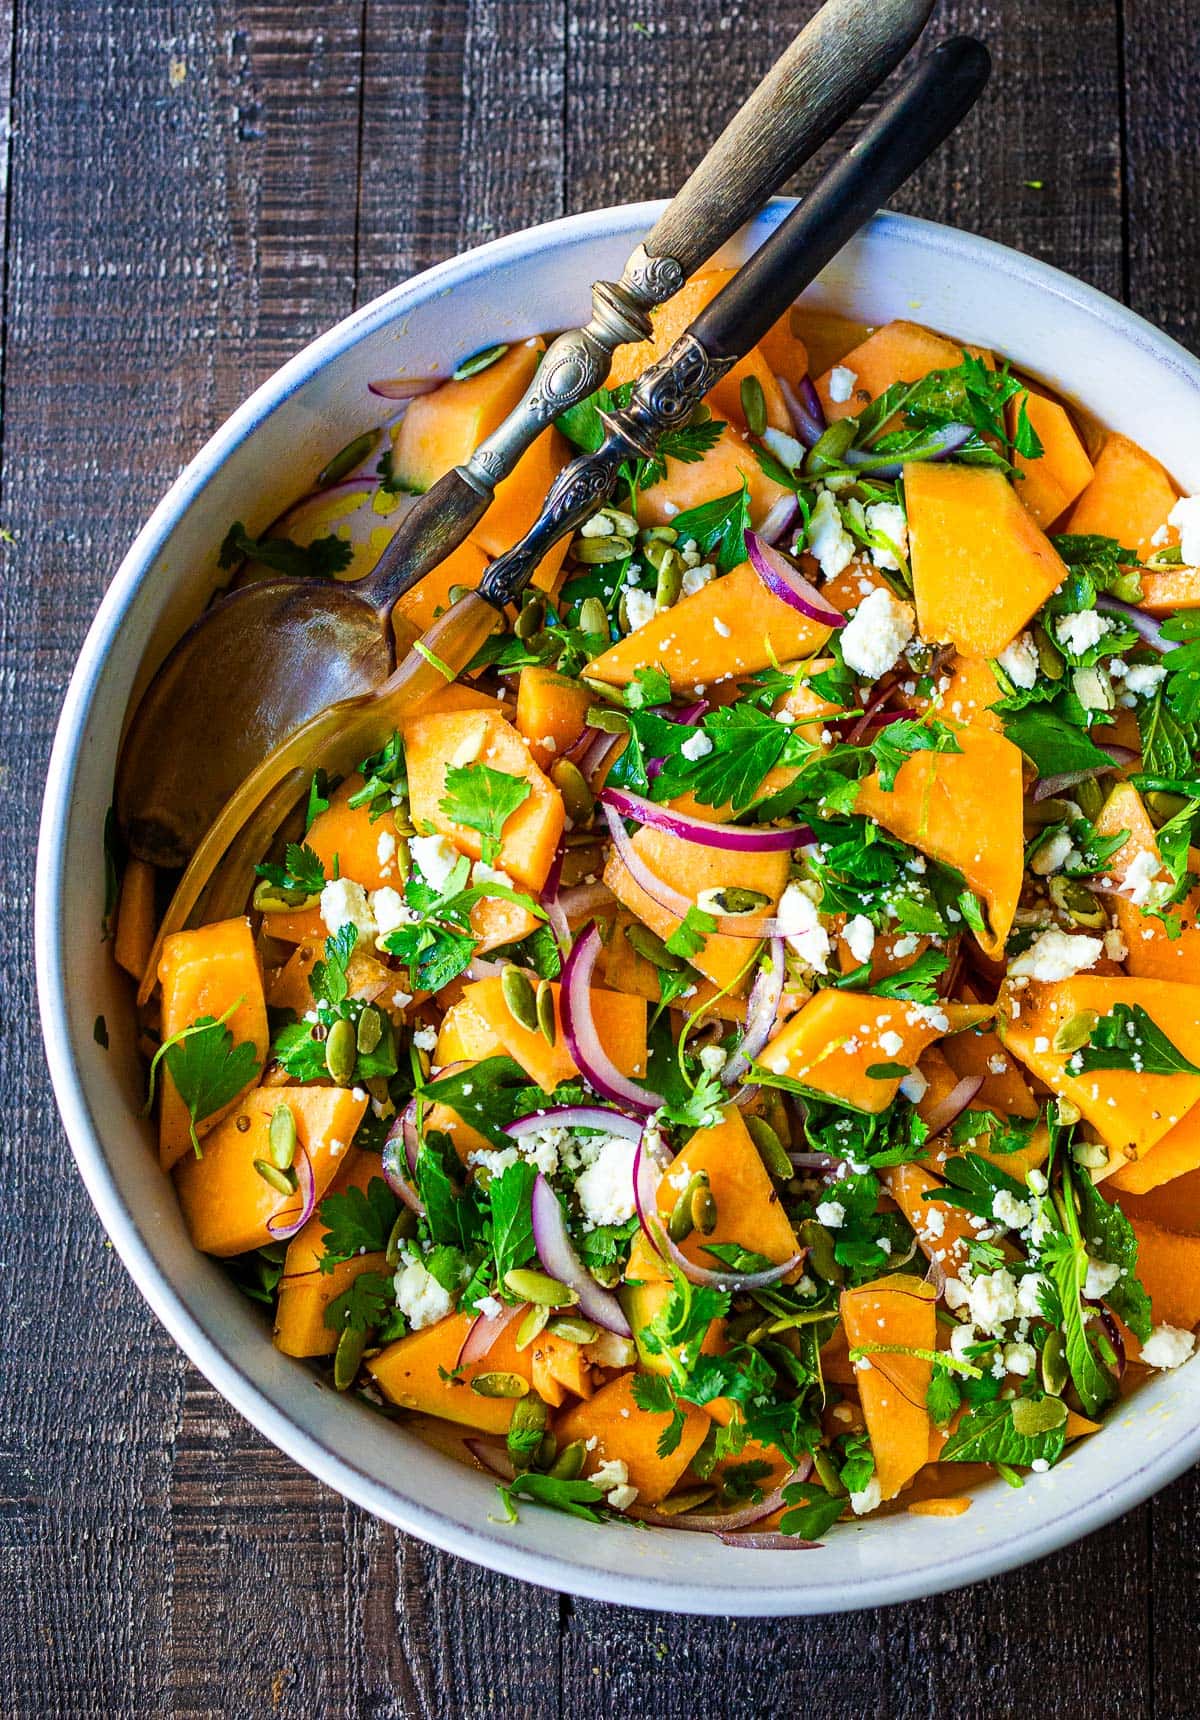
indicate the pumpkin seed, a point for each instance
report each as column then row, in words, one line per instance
column 283, row 1182
column 821, row 1259
column 1077, row 902
column 573, row 1329
column 830, row 447
column 1162, row 806
column 1039, row 813
column 274, row 899
column 1090, row 797
column 532, row 617
column 704, row 1211
column 353, row 454
column 754, row 405
column 1050, row 660
column 1031, row 1416
column 595, row 551
column 478, row 361
column 1055, row 1372
column 733, row 899
column 456, row 592
column 1068, row 1111
column 578, row 800
column 770, row 1148
column 547, row 1021
column 500, row 1385
column 370, row 1030
column 519, row 998
column 658, row 553
column 622, row 523
column 1093, row 689
column 282, row 1137
column 569, row 1462
column 1091, row 1155
column 827, row 1473
column 404, row 1228
column 346, row 1358
column 532, row 1325
column 546, row 1451
column 529, row 1416
column 341, row 1052
column 539, row 1287
column 651, row 948
column 670, row 581
column 682, row 1221
column 675, row 1504
column 659, row 534
column 1077, row 1031
column 593, row 617
column 611, row 722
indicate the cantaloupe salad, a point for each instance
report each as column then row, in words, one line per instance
column 733, row 1058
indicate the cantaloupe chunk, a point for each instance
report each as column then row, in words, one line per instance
column 464, row 1037
column 1174, row 1156
column 497, row 922
column 290, row 987
column 721, row 471
column 1164, row 590
column 442, row 429
column 1130, row 1112
column 551, row 711
column 1173, row 1204
column 1169, row 1268
column 225, row 1202
column 207, row 972
column 623, row 969
column 300, row 1328
column 784, row 351
column 620, row 1023
column 942, row 1238
column 1005, row 1089
column 902, row 1311
column 1048, row 485
column 410, row 1372
column 418, row 607
column 834, row 1040
column 692, row 868
column 642, row 1296
column 897, row 352
column 981, row 564
column 972, row 691
column 748, row 1208
column 626, row 1433
column 1152, row 954
column 434, row 745
column 1129, row 498
column 137, row 918
column 966, row 810
column 464, row 1137
column 731, row 626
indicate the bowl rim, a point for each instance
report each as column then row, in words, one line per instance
column 123, row 1226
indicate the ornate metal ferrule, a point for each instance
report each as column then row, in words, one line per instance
column 663, row 399
column 577, row 363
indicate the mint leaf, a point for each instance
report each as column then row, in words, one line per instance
column 986, row 1435
column 321, row 559
column 1109, row 1236
column 1127, row 1038
column 1051, row 744
column 576, row 1498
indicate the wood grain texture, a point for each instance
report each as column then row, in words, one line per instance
column 193, row 192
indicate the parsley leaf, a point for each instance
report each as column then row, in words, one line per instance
column 650, row 686
column 1183, row 667
column 512, row 1221
column 356, row 1222
column 895, row 744
column 1127, row 1038
column 746, row 744
column 719, row 528
column 320, row 559
column 688, row 938
column 328, row 982
column 917, row 983
column 302, row 870
column 1065, row 1258
column 364, row 1304
column 451, row 1215
column 942, row 1397
column 973, row 1183
column 208, row 1069
column 483, row 800
column 812, row 1511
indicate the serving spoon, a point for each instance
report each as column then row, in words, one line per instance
column 921, row 114
column 264, row 658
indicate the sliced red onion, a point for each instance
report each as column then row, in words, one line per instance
column 600, row 750
column 581, row 901
column 941, row 1115
column 404, row 387
column 1148, row 626
column 788, row 584
column 555, row 913
column 762, row 1006
column 673, row 900
column 492, row 1457
column 583, row 1041
column 814, row 1161
column 399, row 1159
column 939, row 445
column 778, row 519
column 867, row 720
column 645, row 1196
column 689, row 714
column 578, row 1117
column 726, row 1522
column 1048, row 787
column 769, row 1541
column 805, row 410
column 479, row 967
column 483, row 1333
column 283, row 1229
column 936, row 1273
column 558, row 1257
column 880, row 693
column 734, row 838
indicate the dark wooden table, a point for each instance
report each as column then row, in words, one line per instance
column 193, row 191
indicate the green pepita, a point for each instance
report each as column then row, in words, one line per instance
column 1089, row 797
column 669, row 584
column 478, row 361
column 732, row 900
column 573, row 1329
column 1067, row 1111
column 532, row 617
column 595, row 551
column 1031, row 1416
column 658, row 553
column 1093, row 689
column 821, row 1259
column 610, row 721
column 827, row 1473
column 546, row 1018
column 519, row 999
column 675, row 1504
column 568, row 1465
column 274, row 899
column 346, row 1358
column 593, row 617
column 352, row 455
column 1055, row 1372
column 404, row 1228
column 539, row 1287
column 682, row 1221
column 1077, row 1031
column 532, row 1324
column 770, row 1148
column 830, row 448
column 754, row 405
column 283, row 1182
column 529, row 1417
column 658, row 534
column 500, row 1385
column 341, row 1052
column 1050, row 660
column 1040, row 813
column 704, row 1211
column 1162, row 807
column 579, row 802
column 456, row 592
column 1090, row 1155
column 651, row 948
column 370, row 1030
column 282, row 1137
column 1076, row 901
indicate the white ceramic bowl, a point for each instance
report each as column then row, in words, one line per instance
column 262, row 459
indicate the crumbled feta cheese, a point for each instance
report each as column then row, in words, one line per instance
column 605, row 1188
column 385, row 850
column 1144, row 678
column 390, row 910
column 435, row 857
column 859, row 934
column 1029, row 1288
column 841, row 383
column 867, row 1498
column 1040, row 1465
column 785, row 448
column 421, row 1299
column 800, row 924
column 1101, row 1276
column 1081, row 631
column 695, row 578
column 1052, row 854
column 1167, row 1346
column 914, row 1087
column 696, row 746
column 1185, row 517
column 1019, row 1359
column 832, row 1214
column 489, row 1306
column 712, row 1058
column 344, row 903
column 828, row 539
column 888, row 520
column 961, row 1340
column 1056, row 955
column 612, row 1478
column 639, row 608
column 1115, row 947
column 993, row 1299
column 1020, row 661
column 1008, row 1210
column 482, row 873
column 891, row 1043
column 877, row 633
column 425, row 1038
column 1141, row 877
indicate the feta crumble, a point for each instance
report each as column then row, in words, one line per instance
column 1020, row 661
column 639, row 608
column 801, row 925
column 1185, row 517
column 696, row 746
column 344, row 903
column 435, row 857
column 841, row 383
column 1056, row 955
column 877, row 633
column 605, row 1188
column 859, row 934
column 832, row 1214
column 1080, row 632
column 888, row 520
column 1167, row 1346
column 420, row 1297
column 828, row 539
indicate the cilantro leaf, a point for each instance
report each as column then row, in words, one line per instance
column 356, row 1222
column 208, row 1069
column 1127, row 1038
column 328, row 982
column 719, row 528
column 650, row 686
column 917, row 983
column 483, row 800
column 895, row 744
column 812, row 1512
column 320, row 559
column 688, row 938
column 942, row 1397
column 364, row 1304
column 973, row 1183
column 303, row 870
column 653, row 1394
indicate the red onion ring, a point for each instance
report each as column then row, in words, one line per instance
column 581, row 901
column 673, row 900
column 1148, row 626
column 733, row 838
column 1048, row 787
column 645, row 1197
column 483, row 1332
column 769, row 1541
column 788, row 584
column 805, row 410
column 815, row 1161
column 578, row 1117
column 940, row 1116
column 558, row 1257
column 284, row 1229
column 400, row 1155
column 946, row 441
column 778, row 519
column 404, row 387
column 597, row 755
column 493, row 1458
column 762, row 1006
column 583, row 1041
column 726, row 1522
